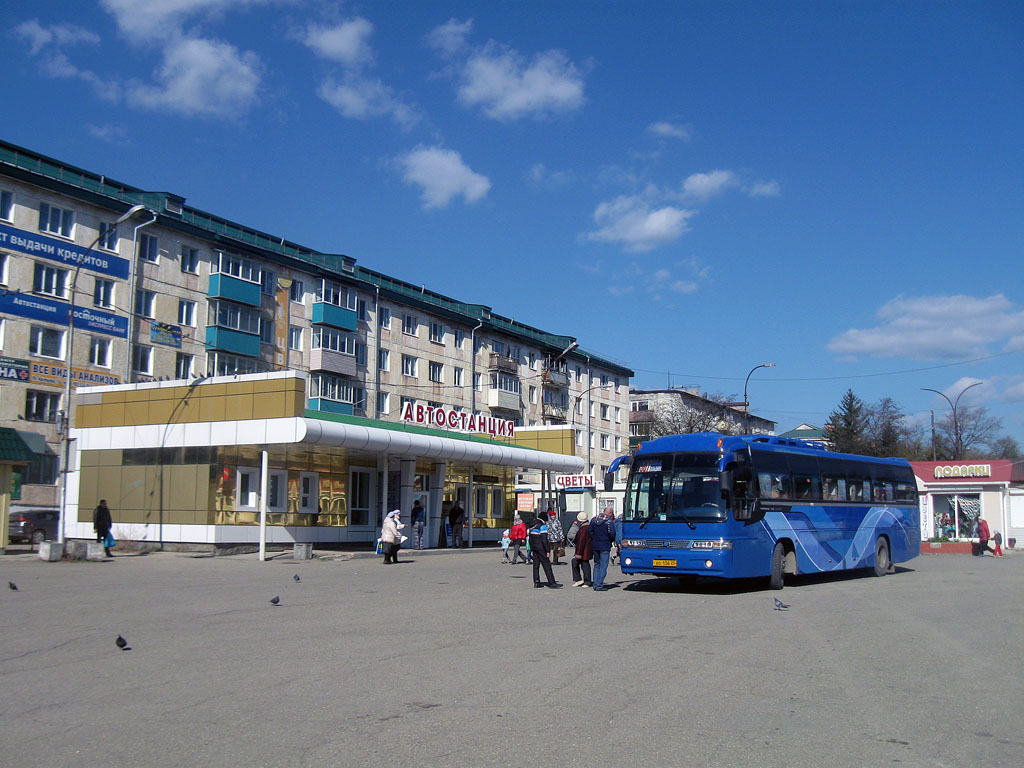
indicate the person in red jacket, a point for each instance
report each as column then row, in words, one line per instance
column 518, row 536
column 983, row 536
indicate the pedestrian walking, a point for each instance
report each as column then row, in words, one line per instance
column 556, row 537
column 997, row 538
column 539, row 546
column 518, row 536
column 983, row 536
column 584, row 552
column 602, row 537
column 456, row 518
column 102, row 522
column 417, row 521
column 391, row 536
column 506, row 541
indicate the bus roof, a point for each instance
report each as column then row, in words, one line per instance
column 717, row 442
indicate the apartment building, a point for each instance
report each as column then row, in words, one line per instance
column 163, row 291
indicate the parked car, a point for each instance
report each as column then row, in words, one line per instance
column 34, row 525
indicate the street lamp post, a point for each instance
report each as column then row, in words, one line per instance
column 66, row 418
column 746, row 402
column 957, row 444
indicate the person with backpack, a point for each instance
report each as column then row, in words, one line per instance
column 602, row 537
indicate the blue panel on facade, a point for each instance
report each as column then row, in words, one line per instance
column 229, row 340
column 330, row 406
column 328, row 314
column 228, row 287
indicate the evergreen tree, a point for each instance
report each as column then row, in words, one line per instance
column 847, row 426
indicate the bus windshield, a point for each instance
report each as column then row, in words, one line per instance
column 675, row 488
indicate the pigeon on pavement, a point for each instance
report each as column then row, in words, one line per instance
column 780, row 606
column 12, row 586
column 275, row 600
column 296, row 577
column 122, row 643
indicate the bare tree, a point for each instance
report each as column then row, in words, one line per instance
column 676, row 417
column 1004, row 448
column 974, row 429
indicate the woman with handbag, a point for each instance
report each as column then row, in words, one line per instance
column 391, row 537
column 102, row 523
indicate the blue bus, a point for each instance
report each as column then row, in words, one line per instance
column 751, row 506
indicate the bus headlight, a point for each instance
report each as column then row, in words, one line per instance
column 709, row 564
column 716, row 544
column 628, row 561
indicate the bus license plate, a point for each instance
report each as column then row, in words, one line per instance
column 664, row 563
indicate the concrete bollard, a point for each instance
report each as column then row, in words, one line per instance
column 51, row 551
column 75, row 549
column 302, row 551
column 94, row 551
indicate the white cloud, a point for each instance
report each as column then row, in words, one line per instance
column 936, row 327
column 764, row 189
column 360, row 97
column 704, row 186
column 668, row 130
column 542, row 175
column 152, row 19
column 346, row 43
column 115, row 134
column 57, row 35
column 620, row 290
column 47, row 43
column 683, row 286
column 450, row 38
column 201, row 77
column 442, row 176
column 631, row 221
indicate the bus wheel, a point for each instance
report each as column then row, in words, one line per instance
column 881, row 557
column 778, row 563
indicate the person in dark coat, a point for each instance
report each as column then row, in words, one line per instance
column 456, row 518
column 602, row 537
column 417, row 518
column 583, row 554
column 539, row 546
column 102, row 523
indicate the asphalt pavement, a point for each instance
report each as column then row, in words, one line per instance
column 454, row 659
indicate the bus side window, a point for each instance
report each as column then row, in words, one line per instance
column 853, row 490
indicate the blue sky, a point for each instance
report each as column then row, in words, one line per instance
column 689, row 188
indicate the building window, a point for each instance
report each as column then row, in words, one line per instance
column 56, row 221
column 235, row 266
column 3, row 269
column 404, row 401
column 460, row 339
column 226, row 314
column 330, row 387
column 437, row 333
column 385, row 317
column 266, row 330
column 103, row 293
column 532, row 360
column 183, row 365
column 142, row 360
column 604, row 411
column 533, row 395
column 618, row 444
column 309, row 492
column 295, row 339
column 382, row 403
column 6, row 205
column 477, row 381
column 579, row 374
column 436, row 372
column 361, row 310
column 99, row 352
column 410, row 325
column 247, row 495
column 579, row 438
column 505, row 382
column 221, row 364
column 3, row 328
column 639, row 405
column 108, row 237
column 41, row 406
column 332, row 340
column 50, row 281
column 604, row 442
column 329, row 292
column 410, row 365
column 618, row 415
column 46, row 342
column 189, row 259
column 360, row 498
column 360, row 354
column 296, row 291
column 149, row 248
column 268, row 282
column 145, row 303
column 187, row 313
column 383, row 359
column 458, row 378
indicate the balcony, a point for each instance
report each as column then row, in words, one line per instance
column 555, row 378
column 330, row 406
column 332, row 362
column 555, row 411
column 228, row 287
column 334, row 316
column 229, row 340
column 503, row 363
column 499, row 398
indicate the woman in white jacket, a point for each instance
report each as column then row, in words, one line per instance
column 391, row 537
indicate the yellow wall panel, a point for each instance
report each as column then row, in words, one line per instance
column 112, row 414
column 212, row 408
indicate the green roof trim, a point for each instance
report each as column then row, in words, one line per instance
column 14, row 450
